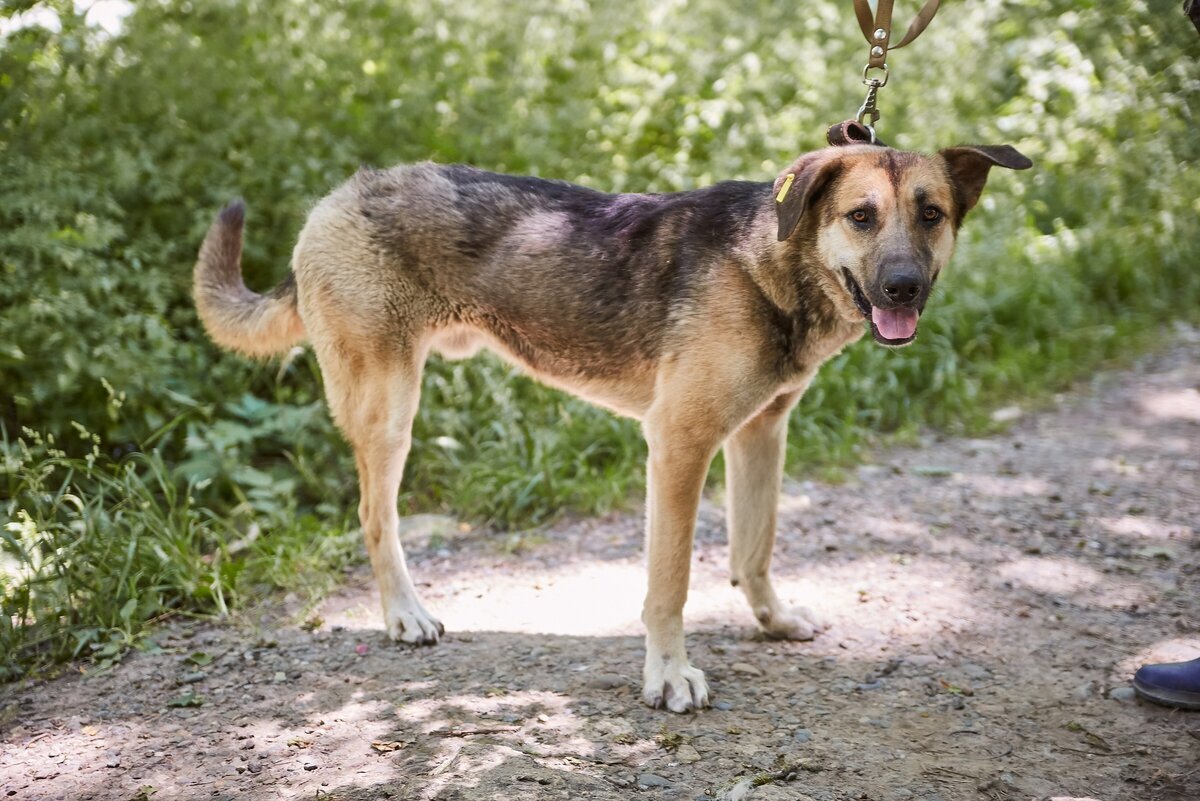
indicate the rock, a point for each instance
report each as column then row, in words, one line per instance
column 687, row 754
column 724, row 706
column 746, row 668
column 608, row 681
column 740, row 790
column 652, row 780
column 1122, row 694
column 192, row 678
column 801, row 736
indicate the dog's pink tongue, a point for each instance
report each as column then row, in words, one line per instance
column 894, row 323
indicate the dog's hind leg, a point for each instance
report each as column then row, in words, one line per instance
column 753, row 473
column 374, row 400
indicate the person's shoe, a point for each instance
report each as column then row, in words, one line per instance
column 1174, row 684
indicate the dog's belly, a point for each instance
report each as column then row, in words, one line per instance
column 628, row 392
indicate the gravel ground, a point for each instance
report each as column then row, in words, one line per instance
column 989, row 598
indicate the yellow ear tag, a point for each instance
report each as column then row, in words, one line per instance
column 783, row 190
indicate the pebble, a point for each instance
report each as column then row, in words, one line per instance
column 652, row 780
column 192, row 678
column 724, row 706
column 747, row 668
column 687, row 754
column 801, row 735
column 1122, row 694
column 608, row 681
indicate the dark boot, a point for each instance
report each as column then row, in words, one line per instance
column 1174, row 684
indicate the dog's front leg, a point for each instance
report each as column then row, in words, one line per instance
column 753, row 473
column 675, row 475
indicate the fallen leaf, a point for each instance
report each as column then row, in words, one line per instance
column 387, row 746
column 200, row 658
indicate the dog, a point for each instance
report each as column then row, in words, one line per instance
column 704, row 314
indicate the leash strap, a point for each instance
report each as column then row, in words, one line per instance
column 877, row 28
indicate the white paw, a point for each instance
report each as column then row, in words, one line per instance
column 798, row 623
column 409, row 622
column 674, row 684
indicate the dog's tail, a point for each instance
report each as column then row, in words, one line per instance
column 235, row 317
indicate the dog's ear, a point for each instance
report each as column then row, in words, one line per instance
column 969, row 167
column 797, row 189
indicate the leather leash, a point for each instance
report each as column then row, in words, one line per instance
column 877, row 28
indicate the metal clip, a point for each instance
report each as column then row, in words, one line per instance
column 868, row 112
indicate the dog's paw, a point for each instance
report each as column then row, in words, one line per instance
column 798, row 623
column 675, row 686
column 410, row 623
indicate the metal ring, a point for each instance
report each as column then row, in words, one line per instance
column 869, row 81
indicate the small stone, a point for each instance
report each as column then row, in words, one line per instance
column 801, row 735
column 724, row 706
column 310, row 766
column 747, row 668
column 608, row 681
column 652, row 780
column 280, row 677
column 192, row 678
column 112, row 762
column 687, row 754
column 1122, row 694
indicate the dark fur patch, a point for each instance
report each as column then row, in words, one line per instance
column 895, row 163
column 501, row 248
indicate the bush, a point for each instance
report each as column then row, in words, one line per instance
column 117, row 150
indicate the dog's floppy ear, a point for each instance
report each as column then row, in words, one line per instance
column 796, row 189
column 969, row 167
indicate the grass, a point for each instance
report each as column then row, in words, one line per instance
column 95, row 548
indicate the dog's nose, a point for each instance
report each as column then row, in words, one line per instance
column 902, row 284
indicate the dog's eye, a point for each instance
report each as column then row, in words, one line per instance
column 931, row 214
column 861, row 217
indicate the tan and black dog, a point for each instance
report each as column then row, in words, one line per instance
column 705, row 314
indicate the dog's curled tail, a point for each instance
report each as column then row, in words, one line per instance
column 235, row 317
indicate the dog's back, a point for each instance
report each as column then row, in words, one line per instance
column 573, row 283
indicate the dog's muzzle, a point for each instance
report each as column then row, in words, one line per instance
column 903, row 290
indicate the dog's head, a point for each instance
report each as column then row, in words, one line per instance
column 882, row 224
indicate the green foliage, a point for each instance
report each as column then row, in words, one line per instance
column 115, row 151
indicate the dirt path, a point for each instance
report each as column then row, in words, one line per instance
column 990, row 600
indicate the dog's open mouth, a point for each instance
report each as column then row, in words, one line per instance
column 888, row 326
